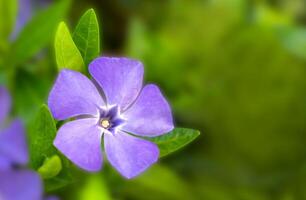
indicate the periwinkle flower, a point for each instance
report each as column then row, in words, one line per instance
column 26, row 9
column 15, row 183
column 114, row 107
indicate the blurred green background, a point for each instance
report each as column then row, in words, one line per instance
column 234, row 69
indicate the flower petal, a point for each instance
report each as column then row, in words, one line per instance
column 51, row 198
column 5, row 103
column 5, row 163
column 80, row 141
column 73, row 94
column 150, row 115
column 120, row 79
column 20, row 185
column 128, row 154
column 24, row 15
column 13, row 144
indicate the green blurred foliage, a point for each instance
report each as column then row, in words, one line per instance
column 95, row 188
column 234, row 69
column 227, row 69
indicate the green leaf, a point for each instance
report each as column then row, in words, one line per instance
column 67, row 54
column 294, row 39
column 94, row 189
column 174, row 140
column 161, row 183
column 41, row 135
column 62, row 180
column 51, row 167
column 42, row 132
column 38, row 32
column 87, row 37
column 8, row 13
column 34, row 86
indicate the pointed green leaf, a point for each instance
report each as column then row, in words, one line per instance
column 87, row 37
column 38, row 32
column 51, row 167
column 174, row 140
column 66, row 52
column 41, row 135
column 8, row 13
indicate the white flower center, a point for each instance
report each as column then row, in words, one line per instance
column 105, row 123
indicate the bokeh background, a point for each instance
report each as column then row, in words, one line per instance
column 233, row 69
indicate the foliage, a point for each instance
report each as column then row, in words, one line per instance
column 233, row 69
column 174, row 140
column 67, row 53
column 87, row 36
column 72, row 52
column 37, row 33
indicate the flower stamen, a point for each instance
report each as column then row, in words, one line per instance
column 105, row 123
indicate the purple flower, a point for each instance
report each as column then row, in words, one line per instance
column 24, row 14
column 116, row 108
column 15, row 184
column 26, row 10
column 5, row 104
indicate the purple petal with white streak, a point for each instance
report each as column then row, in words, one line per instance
column 128, row 154
column 73, row 94
column 80, row 141
column 120, row 79
column 150, row 115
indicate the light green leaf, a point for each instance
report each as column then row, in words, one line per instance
column 67, row 54
column 161, row 183
column 63, row 178
column 87, row 37
column 38, row 32
column 41, row 135
column 294, row 39
column 8, row 13
column 94, row 189
column 51, row 167
column 174, row 140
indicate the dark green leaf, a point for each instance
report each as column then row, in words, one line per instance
column 32, row 86
column 174, row 140
column 41, row 135
column 57, row 182
column 87, row 37
column 38, row 32
column 67, row 54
